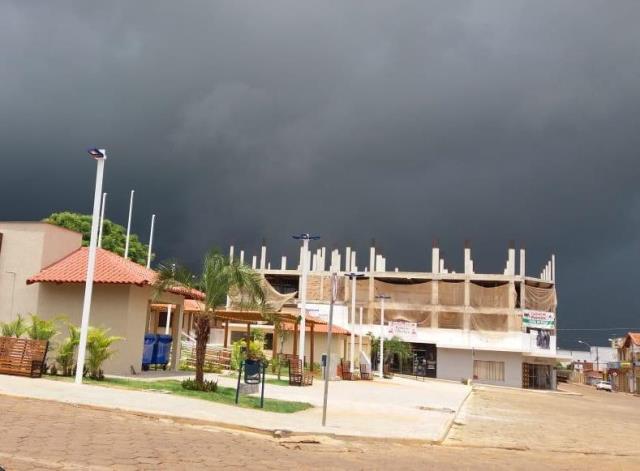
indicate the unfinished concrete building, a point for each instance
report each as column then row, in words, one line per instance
column 492, row 328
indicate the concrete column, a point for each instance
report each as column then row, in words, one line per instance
column 467, row 258
column 167, row 324
column 283, row 263
column 242, row 257
column 441, row 266
column 512, row 295
column 435, row 257
column 347, row 260
column 263, row 257
column 177, row 336
column 511, row 263
column 323, row 259
column 522, row 263
column 254, row 261
column 231, row 253
column 553, row 268
column 372, row 258
column 353, row 266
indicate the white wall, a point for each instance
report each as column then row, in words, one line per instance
column 457, row 364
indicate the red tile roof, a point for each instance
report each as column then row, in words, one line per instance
column 318, row 328
column 110, row 268
column 635, row 337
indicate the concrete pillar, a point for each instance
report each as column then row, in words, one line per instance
column 441, row 266
column 467, row 257
column 511, row 259
column 553, row 268
column 323, row 257
column 242, row 257
column 177, row 336
column 254, row 262
column 283, row 263
column 435, row 257
column 372, row 257
column 231, row 253
column 314, row 264
column 522, row 263
column 347, row 260
column 263, row 257
column 353, row 266
column 269, row 266
column 167, row 324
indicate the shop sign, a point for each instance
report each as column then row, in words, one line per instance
column 539, row 319
column 403, row 329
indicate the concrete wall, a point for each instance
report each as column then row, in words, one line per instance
column 27, row 247
column 454, row 364
column 457, row 364
column 121, row 308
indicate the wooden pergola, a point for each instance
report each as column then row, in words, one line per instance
column 254, row 317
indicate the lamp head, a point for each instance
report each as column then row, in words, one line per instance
column 98, row 154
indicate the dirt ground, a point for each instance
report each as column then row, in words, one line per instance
column 497, row 429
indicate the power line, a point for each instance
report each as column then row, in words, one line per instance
column 604, row 328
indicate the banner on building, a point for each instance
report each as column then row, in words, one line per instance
column 539, row 319
column 403, row 329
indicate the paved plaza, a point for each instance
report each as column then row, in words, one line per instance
column 356, row 408
column 498, row 429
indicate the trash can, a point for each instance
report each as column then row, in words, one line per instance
column 163, row 350
column 148, row 350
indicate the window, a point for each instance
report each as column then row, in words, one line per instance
column 488, row 370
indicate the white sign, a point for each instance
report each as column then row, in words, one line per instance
column 403, row 329
column 539, row 319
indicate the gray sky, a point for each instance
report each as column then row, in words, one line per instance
column 402, row 121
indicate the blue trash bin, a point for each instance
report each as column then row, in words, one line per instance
column 149, row 350
column 163, row 350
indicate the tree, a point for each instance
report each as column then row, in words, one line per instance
column 393, row 346
column 114, row 235
column 218, row 278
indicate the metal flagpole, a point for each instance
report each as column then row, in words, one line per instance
column 153, row 222
column 327, row 366
column 126, row 244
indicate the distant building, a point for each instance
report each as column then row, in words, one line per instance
column 491, row 328
column 624, row 373
column 595, row 359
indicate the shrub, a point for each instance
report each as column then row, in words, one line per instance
column 99, row 350
column 205, row 386
column 67, row 349
column 42, row 329
column 15, row 328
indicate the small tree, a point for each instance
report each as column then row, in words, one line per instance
column 42, row 329
column 393, row 346
column 15, row 328
column 67, row 349
column 99, row 350
column 218, row 278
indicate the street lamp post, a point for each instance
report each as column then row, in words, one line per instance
column 104, row 202
column 382, row 298
column 327, row 365
column 353, row 276
column 304, row 266
column 100, row 155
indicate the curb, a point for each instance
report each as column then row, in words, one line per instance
column 454, row 418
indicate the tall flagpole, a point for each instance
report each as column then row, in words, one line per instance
column 153, row 222
column 126, row 245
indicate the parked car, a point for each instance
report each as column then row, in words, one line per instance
column 604, row 386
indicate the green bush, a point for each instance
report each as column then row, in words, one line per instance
column 67, row 349
column 99, row 350
column 205, row 386
column 15, row 328
column 42, row 329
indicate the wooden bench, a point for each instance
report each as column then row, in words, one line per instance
column 297, row 375
column 365, row 372
column 22, row 357
column 345, row 366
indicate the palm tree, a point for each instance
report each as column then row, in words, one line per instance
column 219, row 277
column 99, row 349
column 15, row 328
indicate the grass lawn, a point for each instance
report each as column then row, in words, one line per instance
column 222, row 395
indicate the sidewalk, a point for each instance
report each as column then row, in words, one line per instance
column 398, row 408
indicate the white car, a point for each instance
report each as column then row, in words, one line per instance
column 604, row 386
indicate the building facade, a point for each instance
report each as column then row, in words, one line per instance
column 490, row 328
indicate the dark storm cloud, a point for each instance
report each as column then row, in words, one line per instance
column 402, row 121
